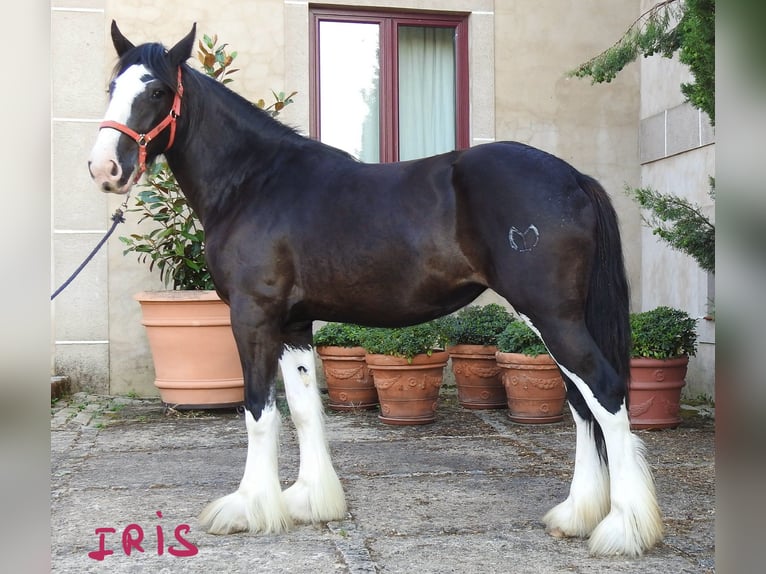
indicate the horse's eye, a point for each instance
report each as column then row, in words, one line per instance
column 157, row 94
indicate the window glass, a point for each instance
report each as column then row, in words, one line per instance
column 349, row 75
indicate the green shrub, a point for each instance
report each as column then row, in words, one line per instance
column 663, row 333
column 405, row 342
column 477, row 325
column 339, row 335
column 517, row 337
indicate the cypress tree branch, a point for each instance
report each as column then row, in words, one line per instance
column 679, row 223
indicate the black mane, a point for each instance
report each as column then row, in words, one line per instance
column 155, row 57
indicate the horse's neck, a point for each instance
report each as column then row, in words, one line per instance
column 208, row 163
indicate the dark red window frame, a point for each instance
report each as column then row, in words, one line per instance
column 389, row 22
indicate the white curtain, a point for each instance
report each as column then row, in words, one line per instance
column 426, row 91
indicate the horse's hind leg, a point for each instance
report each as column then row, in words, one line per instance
column 588, row 500
column 633, row 523
column 317, row 495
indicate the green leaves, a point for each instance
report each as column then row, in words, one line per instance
column 280, row 101
column 405, row 342
column 697, row 30
column 175, row 246
column 339, row 335
column 663, row 333
column 215, row 59
column 517, row 337
column 477, row 325
column 680, row 223
column 653, row 32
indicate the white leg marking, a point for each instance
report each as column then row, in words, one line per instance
column 588, row 500
column 258, row 504
column 317, row 495
column 634, row 522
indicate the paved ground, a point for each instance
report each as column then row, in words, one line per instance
column 462, row 495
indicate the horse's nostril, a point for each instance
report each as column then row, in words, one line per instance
column 90, row 171
column 115, row 169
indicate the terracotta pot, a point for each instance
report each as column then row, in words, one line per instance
column 408, row 392
column 655, row 392
column 196, row 363
column 534, row 387
column 349, row 383
column 479, row 384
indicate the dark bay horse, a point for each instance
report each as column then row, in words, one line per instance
column 298, row 231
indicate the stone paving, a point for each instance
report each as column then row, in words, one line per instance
column 464, row 494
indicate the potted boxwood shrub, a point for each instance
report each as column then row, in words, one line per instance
column 472, row 336
column 532, row 380
column 407, row 366
column 663, row 340
column 349, row 383
column 195, row 357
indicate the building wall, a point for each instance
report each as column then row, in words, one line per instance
column 520, row 52
column 677, row 155
column 79, row 214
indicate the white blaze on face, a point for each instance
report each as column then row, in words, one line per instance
column 104, row 165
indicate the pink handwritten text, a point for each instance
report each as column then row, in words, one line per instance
column 133, row 538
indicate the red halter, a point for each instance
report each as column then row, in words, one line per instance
column 143, row 139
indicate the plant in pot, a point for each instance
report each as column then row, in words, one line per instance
column 407, row 366
column 472, row 336
column 195, row 357
column 663, row 340
column 349, row 383
column 532, row 380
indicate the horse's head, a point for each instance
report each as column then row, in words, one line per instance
column 144, row 101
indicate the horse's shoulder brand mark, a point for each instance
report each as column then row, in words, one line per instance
column 524, row 240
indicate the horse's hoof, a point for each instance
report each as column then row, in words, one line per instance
column 323, row 503
column 238, row 512
column 570, row 520
column 619, row 534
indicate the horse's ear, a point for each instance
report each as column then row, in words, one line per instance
column 183, row 50
column 121, row 43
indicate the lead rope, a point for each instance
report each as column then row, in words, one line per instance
column 117, row 218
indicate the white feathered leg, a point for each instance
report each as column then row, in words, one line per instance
column 317, row 495
column 588, row 500
column 258, row 504
column 634, row 522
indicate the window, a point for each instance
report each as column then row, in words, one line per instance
column 389, row 86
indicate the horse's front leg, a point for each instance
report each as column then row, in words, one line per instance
column 317, row 495
column 258, row 505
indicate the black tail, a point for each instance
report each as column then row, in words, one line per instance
column 607, row 308
column 607, row 314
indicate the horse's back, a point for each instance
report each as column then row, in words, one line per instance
column 510, row 185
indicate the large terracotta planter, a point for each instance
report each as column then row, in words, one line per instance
column 408, row 391
column 479, row 384
column 349, row 382
column 196, row 363
column 655, row 392
column 534, row 387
